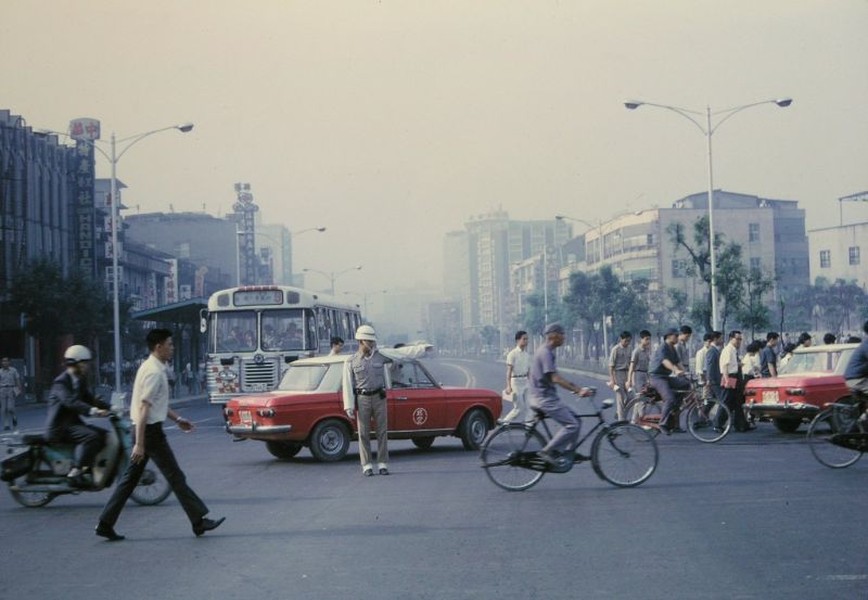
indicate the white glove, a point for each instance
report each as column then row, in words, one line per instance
column 350, row 412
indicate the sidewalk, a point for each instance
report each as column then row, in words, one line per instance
column 180, row 400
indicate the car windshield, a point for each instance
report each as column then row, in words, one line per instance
column 818, row 362
column 312, row 377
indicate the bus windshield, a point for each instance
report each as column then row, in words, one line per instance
column 233, row 331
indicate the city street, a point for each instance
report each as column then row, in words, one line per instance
column 754, row 516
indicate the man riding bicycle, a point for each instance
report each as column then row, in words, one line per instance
column 544, row 395
column 665, row 363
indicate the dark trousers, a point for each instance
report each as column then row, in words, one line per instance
column 670, row 401
column 731, row 398
column 88, row 442
column 157, row 449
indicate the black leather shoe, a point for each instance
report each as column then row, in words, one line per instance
column 368, row 473
column 108, row 532
column 207, row 525
column 384, row 471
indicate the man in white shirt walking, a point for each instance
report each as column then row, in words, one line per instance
column 517, row 368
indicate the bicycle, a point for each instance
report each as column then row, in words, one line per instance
column 838, row 435
column 707, row 420
column 621, row 453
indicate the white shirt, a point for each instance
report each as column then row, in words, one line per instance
column 152, row 387
column 699, row 360
column 520, row 361
column 729, row 360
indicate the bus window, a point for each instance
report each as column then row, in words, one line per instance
column 311, row 332
column 234, row 332
column 283, row 330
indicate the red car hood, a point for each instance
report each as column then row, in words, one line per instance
column 797, row 380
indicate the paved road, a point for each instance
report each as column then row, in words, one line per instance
column 752, row 517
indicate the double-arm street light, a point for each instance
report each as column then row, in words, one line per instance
column 113, row 157
column 708, row 129
column 332, row 275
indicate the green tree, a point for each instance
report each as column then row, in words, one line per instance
column 55, row 306
column 593, row 297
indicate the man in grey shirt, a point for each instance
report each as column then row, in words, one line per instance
column 544, row 396
column 365, row 387
column 619, row 363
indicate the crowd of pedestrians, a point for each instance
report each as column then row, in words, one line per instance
column 721, row 365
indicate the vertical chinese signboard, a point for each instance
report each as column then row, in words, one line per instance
column 85, row 132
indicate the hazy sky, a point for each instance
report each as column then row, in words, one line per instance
column 393, row 122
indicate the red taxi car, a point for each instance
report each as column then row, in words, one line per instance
column 307, row 409
column 811, row 378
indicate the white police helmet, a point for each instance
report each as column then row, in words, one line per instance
column 76, row 354
column 366, row 332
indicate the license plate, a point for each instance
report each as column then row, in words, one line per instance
column 257, row 387
column 770, row 397
column 245, row 416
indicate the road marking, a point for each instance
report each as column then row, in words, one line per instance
column 469, row 378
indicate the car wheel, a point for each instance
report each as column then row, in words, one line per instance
column 330, row 441
column 284, row 450
column 473, row 429
column 423, row 443
column 787, row 425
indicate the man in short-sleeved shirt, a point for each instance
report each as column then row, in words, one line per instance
column 148, row 410
column 856, row 373
column 544, row 378
column 768, row 356
column 619, row 364
column 517, row 370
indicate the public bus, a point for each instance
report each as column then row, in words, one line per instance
column 254, row 332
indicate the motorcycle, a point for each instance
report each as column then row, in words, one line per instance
column 36, row 469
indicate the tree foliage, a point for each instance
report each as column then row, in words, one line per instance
column 593, row 297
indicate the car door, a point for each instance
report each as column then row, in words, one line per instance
column 416, row 402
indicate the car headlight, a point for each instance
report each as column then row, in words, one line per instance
column 796, row 392
column 265, row 412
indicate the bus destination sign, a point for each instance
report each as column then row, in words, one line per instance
column 257, row 297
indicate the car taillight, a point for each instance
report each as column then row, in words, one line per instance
column 228, row 412
column 796, row 392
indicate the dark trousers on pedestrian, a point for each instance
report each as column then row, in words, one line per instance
column 88, row 441
column 157, row 449
column 732, row 400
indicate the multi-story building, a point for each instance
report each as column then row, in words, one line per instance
column 199, row 238
column 836, row 253
column 38, row 207
column 494, row 244
column 640, row 246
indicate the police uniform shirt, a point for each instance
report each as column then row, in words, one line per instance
column 619, row 357
column 368, row 371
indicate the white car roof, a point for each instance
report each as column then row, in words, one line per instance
column 824, row 348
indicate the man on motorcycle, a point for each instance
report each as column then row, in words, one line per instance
column 70, row 399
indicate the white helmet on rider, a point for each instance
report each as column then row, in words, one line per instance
column 366, row 332
column 76, row 354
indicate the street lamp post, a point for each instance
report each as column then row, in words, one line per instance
column 332, row 275
column 598, row 227
column 113, row 158
column 708, row 131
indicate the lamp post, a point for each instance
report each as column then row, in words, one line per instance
column 708, row 130
column 598, row 227
column 113, row 158
column 299, row 232
column 364, row 296
column 332, row 275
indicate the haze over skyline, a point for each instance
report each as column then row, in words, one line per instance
column 391, row 123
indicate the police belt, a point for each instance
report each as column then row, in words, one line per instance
column 518, row 376
column 364, row 392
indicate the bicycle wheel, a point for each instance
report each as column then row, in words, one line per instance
column 624, row 454
column 152, row 489
column 644, row 413
column 709, row 421
column 826, row 424
column 502, row 455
